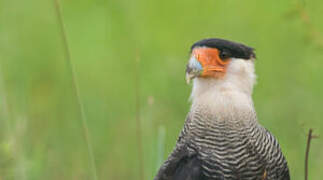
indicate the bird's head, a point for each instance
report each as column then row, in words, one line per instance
column 219, row 60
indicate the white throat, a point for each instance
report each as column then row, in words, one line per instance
column 231, row 93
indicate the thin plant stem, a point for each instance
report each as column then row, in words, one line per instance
column 138, row 120
column 76, row 89
column 161, row 145
column 309, row 138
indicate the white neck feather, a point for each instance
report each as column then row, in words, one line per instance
column 230, row 93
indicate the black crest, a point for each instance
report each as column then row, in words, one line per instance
column 236, row 50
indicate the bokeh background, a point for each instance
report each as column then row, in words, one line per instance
column 112, row 43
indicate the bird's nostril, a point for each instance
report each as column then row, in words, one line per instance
column 188, row 69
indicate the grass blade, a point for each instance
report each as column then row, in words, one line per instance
column 138, row 120
column 76, row 88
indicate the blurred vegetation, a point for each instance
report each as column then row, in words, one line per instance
column 41, row 135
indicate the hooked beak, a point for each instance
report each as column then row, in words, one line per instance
column 193, row 69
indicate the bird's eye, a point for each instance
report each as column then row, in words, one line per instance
column 224, row 55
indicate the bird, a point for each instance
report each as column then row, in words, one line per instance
column 221, row 138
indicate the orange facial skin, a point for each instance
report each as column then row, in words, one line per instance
column 213, row 65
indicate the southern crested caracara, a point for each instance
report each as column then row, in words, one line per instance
column 221, row 138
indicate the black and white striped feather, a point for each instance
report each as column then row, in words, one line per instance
column 229, row 150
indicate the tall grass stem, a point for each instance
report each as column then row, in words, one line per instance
column 138, row 118
column 308, row 144
column 76, row 88
column 160, row 146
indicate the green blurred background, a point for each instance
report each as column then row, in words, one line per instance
column 41, row 135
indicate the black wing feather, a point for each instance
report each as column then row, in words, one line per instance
column 189, row 169
column 181, row 165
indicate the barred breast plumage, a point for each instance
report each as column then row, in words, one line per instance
column 230, row 149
